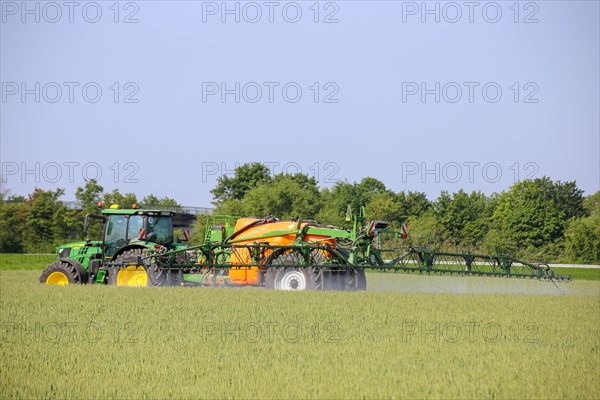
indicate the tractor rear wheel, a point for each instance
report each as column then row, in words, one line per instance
column 134, row 275
column 60, row 273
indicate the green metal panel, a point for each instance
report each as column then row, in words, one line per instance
column 100, row 278
column 81, row 252
column 225, row 224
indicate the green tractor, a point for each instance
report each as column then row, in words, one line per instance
column 116, row 258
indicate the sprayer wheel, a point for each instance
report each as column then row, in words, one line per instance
column 286, row 271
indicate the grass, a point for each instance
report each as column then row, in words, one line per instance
column 590, row 274
column 12, row 261
column 99, row 342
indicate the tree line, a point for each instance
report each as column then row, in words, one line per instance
column 40, row 221
column 534, row 220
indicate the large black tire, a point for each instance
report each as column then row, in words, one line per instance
column 341, row 280
column 270, row 278
column 352, row 279
column 361, row 279
column 63, row 273
column 130, row 274
column 327, row 279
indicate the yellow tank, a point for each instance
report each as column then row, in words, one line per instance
column 276, row 233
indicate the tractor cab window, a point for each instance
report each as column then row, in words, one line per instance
column 160, row 230
column 136, row 224
column 116, row 230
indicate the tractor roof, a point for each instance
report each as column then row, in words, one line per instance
column 119, row 211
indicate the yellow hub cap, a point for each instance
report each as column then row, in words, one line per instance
column 132, row 276
column 57, row 278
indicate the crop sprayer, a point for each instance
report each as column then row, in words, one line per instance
column 138, row 249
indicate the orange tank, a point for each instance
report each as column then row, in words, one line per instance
column 277, row 233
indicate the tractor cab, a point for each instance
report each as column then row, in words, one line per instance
column 127, row 227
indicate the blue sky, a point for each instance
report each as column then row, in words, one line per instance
column 174, row 94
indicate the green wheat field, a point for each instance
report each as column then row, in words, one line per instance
column 406, row 337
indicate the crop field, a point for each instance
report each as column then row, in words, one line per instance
column 13, row 261
column 407, row 336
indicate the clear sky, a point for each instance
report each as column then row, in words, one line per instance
column 423, row 96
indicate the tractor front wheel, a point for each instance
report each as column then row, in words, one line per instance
column 60, row 273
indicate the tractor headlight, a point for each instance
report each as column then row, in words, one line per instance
column 64, row 252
